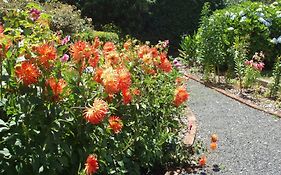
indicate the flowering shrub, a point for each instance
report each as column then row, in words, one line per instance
column 217, row 33
column 69, row 106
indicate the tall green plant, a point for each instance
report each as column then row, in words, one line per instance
column 276, row 85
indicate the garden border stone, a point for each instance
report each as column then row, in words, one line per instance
column 189, row 136
column 235, row 97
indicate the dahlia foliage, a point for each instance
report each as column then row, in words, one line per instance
column 73, row 98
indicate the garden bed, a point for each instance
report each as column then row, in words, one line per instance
column 253, row 97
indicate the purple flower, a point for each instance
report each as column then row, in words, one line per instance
column 64, row 58
column 34, row 14
column 65, row 40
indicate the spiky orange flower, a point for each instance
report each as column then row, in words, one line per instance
column 124, row 78
column 115, row 123
column 46, row 54
column 127, row 44
column 56, row 86
column 143, row 50
column 202, row 160
column 28, row 73
column 112, row 57
column 98, row 74
column 79, row 51
column 154, row 52
column 96, row 112
column 165, row 64
column 136, row 91
column 94, row 59
column 108, row 47
column 110, row 80
column 91, row 165
column 180, row 95
column 96, row 42
column 127, row 97
column 1, row 29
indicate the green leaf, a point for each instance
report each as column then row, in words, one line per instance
column 3, row 123
column 5, row 152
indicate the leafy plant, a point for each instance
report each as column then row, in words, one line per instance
column 65, row 102
column 276, row 85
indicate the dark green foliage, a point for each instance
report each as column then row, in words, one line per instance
column 147, row 19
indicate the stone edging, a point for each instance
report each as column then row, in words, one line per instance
column 235, row 97
column 192, row 128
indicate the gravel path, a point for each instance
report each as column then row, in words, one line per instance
column 249, row 140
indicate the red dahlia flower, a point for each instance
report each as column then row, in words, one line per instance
column 46, row 54
column 115, row 124
column 91, row 165
column 28, row 73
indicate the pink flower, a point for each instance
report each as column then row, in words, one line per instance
column 260, row 66
column 34, row 14
column 65, row 40
column 64, row 58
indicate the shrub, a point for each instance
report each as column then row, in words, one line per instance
column 66, row 103
column 64, row 17
column 103, row 36
column 217, row 33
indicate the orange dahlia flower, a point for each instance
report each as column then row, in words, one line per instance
column 110, row 80
column 27, row 73
column 91, row 165
column 96, row 42
column 180, row 95
column 127, row 44
column 94, row 59
column 98, row 74
column 46, row 54
column 56, row 86
column 115, row 124
column 127, row 97
column 143, row 50
column 124, row 78
column 165, row 64
column 112, row 57
column 79, row 51
column 1, row 29
column 108, row 47
column 96, row 112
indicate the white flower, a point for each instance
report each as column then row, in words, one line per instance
column 275, row 3
column 274, row 41
column 278, row 16
column 20, row 59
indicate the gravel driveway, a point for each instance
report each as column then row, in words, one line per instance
column 249, row 140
